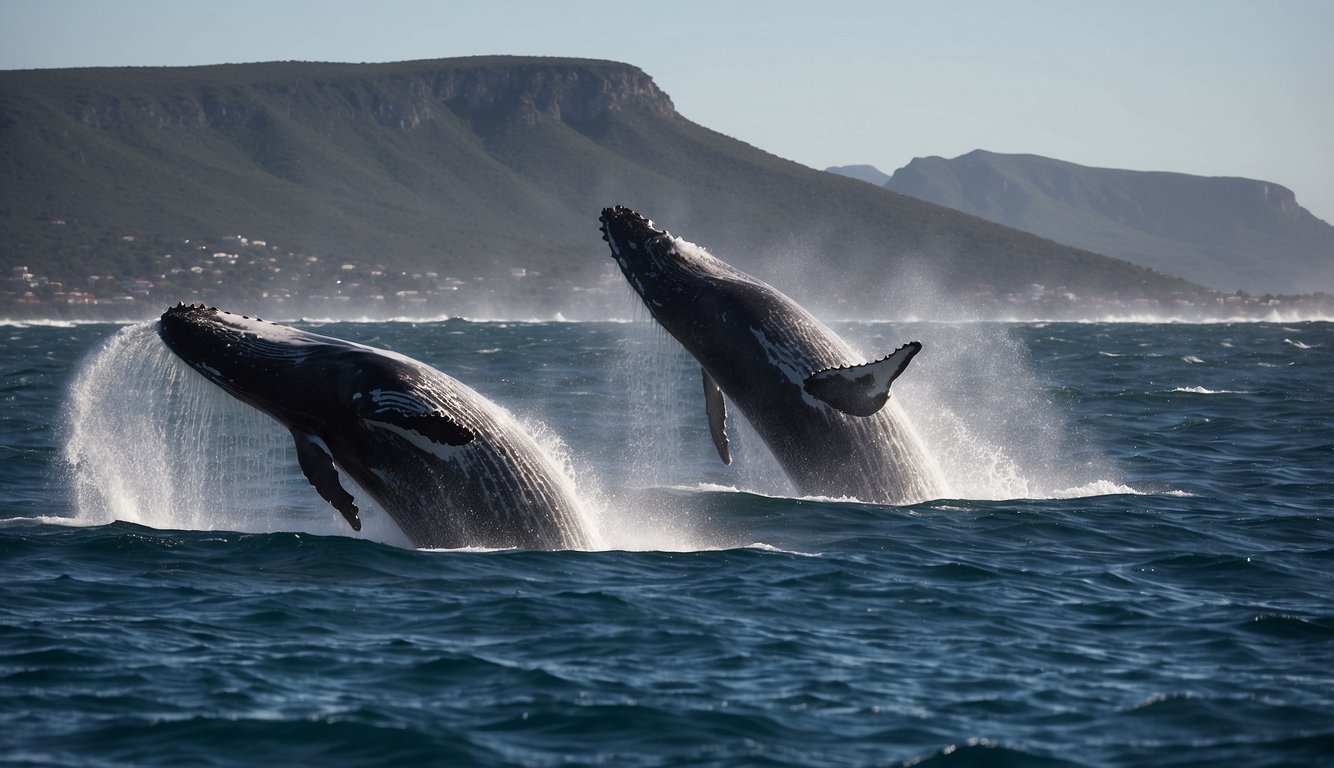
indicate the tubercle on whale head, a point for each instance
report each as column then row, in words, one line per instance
column 176, row 319
column 658, row 265
column 628, row 234
column 190, row 330
column 620, row 214
column 202, row 313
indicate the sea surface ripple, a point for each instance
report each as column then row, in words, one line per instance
column 1136, row 571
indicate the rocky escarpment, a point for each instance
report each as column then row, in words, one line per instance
column 402, row 95
column 1230, row 233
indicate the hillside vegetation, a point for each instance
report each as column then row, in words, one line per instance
column 468, row 169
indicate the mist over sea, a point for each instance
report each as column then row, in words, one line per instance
column 1132, row 566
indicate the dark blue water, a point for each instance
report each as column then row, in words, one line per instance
column 1136, row 569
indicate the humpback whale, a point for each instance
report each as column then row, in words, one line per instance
column 819, row 407
column 450, row 467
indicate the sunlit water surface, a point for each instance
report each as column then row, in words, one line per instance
column 1133, row 566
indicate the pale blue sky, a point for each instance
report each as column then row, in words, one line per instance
column 1210, row 87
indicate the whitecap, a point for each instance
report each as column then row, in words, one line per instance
column 779, row 550
column 1096, row 488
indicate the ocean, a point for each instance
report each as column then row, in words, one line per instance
column 1134, row 565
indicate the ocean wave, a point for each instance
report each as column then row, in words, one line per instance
column 980, row 752
column 1095, row 489
column 51, row 323
column 725, row 622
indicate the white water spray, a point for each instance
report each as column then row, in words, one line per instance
column 668, row 441
column 990, row 426
column 152, row 442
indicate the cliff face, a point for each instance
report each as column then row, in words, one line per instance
column 394, row 95
column 1229, row 233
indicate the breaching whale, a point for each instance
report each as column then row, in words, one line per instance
column 450, row 467
column 818, row 407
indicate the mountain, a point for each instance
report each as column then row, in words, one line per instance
column 1228, row 233
column 480, row 177
column 867, row 173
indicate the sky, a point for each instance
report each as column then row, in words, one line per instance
column 1206, row 87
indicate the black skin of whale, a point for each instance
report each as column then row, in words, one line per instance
column 451, row 468
column 817, row 405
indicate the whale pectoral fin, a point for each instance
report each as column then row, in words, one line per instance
column 319, row 469
column 716, row 408
column 861, row 390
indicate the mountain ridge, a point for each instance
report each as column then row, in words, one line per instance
column 475, row 170
column 1229, row 233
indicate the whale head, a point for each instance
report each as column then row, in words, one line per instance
column 685, row 288
column 664, row 270
column 265, row 365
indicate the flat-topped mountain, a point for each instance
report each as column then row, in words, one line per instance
column 471, row 170
column 1228, row 233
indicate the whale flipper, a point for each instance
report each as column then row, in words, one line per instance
column 861, row 390
column 716, row 408
column 318, row 466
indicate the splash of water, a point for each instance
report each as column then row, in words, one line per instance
column 649, row 376
column 656, row 448
column 991, row 427
column 151, row 442
column 668, row 441
column 589, row 506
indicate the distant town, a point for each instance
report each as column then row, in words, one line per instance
column 246, row 274
column 251, row 274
